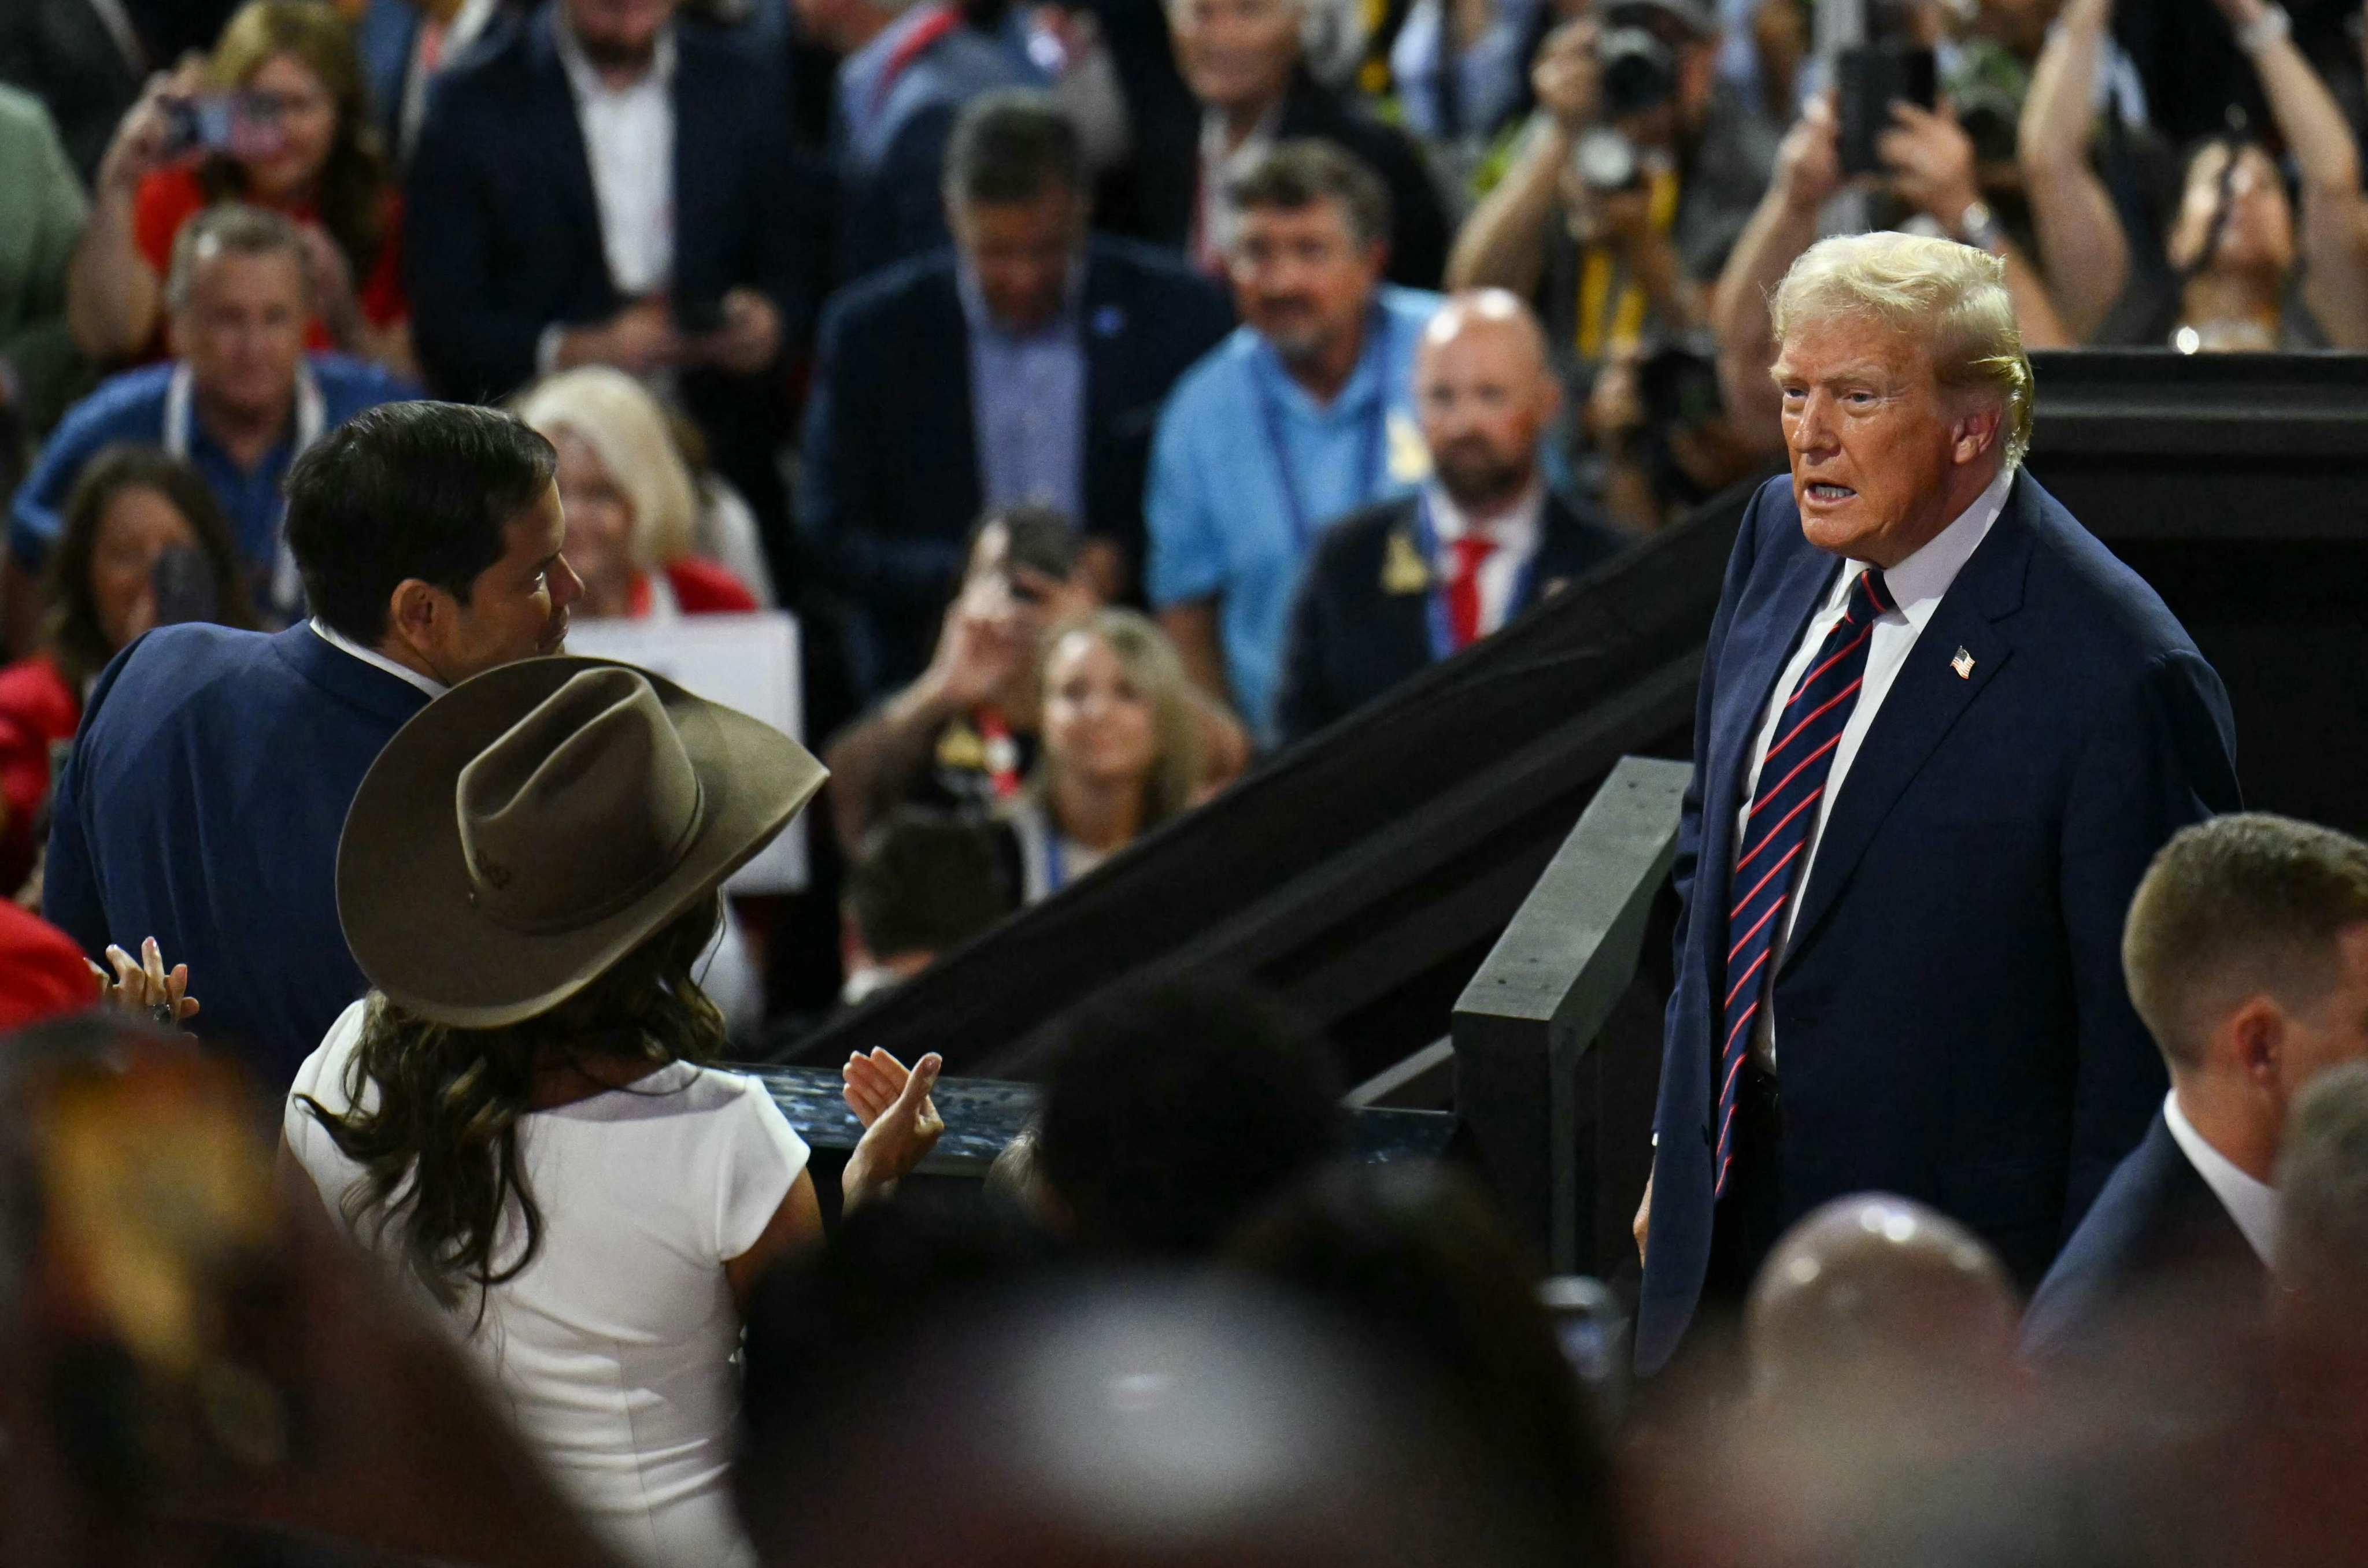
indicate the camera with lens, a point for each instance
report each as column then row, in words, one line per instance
column 1639, row 71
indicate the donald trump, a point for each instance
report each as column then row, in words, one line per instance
column 1941, row 733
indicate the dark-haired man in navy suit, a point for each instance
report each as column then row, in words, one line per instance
column 1940, row 733
column 1025, row 366
column 209, row 783
column 1393, row 588
column 2247, row 953
column 603, row 182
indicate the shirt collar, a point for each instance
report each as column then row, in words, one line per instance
column 982, row 320
column 1514, row 531
column 2252, row 1204
column 347, row 645
column 587, row 82
column 1213, row 141
column 1917, row 583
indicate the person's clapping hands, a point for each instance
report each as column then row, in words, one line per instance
column 900, row 1123
column 143, row 987
column 1931, row 162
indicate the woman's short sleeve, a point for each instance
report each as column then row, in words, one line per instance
column 761, row 1157
column 323, row 1078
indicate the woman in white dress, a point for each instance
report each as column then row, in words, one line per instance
column 520, row 1114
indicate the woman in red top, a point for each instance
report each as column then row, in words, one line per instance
column 632, row 509
column 302, row 143
column 133, row 507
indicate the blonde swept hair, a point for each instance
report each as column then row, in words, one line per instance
column 1150, row 663
column 617, row 417
column 1952, row 298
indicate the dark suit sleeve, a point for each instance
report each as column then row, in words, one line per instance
column 2161, row 757
column 789, row 196
column 844, row 487
column 1690, row 816
column 1305, row 703
column 471, row 346
column 70, row 899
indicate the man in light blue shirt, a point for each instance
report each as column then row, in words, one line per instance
column 1304, row 415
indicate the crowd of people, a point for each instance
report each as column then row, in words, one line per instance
column 1115, row 393
column 1170, row 274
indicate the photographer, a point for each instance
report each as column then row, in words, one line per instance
column 1927, row 162
column 1663, row 440
column 2237, row 243
column 1639, row 170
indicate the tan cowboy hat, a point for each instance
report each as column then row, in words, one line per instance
column 537, row 822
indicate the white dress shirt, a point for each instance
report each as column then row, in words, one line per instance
column 372, row 656
column 1915, row 586
column 1214, row 218
column 2252, row 1204
column 628, row 140
column 1516, row 533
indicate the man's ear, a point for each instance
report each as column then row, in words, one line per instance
column 418, row 615
column 1977, row 431
column 2258, row 1031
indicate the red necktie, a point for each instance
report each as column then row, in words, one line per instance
column 1463, row 587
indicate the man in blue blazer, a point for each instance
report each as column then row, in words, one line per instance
column 2247, row 955
column 1940, row 733
column 208, row 785
column 541, row 231
column 1025, row 366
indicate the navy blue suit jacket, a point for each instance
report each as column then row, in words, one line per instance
column 891, row 483
column 201, row 805
column 1351, row 638
column 502, row 230
column 1950, row 1018
column 2156, row 1229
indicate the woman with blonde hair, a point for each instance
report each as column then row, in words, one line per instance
column 635, row 509
column 1119, row 739
column 294, row 135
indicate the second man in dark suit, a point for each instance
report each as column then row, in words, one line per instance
column 1027, row 366
column 2246, row 952
column 601, row 183
column 1395, row 587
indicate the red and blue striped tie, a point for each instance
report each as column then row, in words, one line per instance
column 1776, row 830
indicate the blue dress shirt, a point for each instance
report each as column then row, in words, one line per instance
column 1028, row 405
column 132, row 407
column 1246, row 469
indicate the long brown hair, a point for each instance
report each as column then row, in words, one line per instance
column 357, row 181
column 439, row 1149
column 77, row 644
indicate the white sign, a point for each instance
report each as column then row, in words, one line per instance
column 748, row 662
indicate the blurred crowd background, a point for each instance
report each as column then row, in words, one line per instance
column 1074, row 374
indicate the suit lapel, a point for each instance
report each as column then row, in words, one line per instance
column 958, row 442
column 571, row 162
column 1933, row 688
column 1776, row 623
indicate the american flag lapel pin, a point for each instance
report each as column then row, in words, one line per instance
column 1962, row 664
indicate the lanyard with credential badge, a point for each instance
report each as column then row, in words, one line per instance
column 1369, row 446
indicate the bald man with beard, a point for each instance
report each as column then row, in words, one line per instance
column 1396, row 587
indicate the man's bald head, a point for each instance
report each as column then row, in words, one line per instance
column 1486, row 392
column 1871, row 1289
